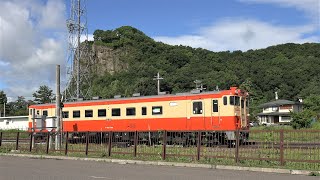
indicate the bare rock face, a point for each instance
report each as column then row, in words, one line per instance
column 106, row 59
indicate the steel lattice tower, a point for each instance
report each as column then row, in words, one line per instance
column 79, row 59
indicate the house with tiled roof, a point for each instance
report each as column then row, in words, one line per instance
column 278, row 111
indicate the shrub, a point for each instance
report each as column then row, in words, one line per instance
column 302, row 119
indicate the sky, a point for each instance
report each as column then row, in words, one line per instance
column 33, row 33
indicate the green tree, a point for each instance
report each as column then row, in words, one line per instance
column 43, row 95
column 19, row 107
column 312, row 103
column 302, row 119
column 3, row 101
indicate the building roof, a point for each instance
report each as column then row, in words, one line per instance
column 273, row 113
column 279, row 102
column 14, row 117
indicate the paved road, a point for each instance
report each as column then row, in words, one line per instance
column 18, row 168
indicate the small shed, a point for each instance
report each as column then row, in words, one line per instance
column 14, row 122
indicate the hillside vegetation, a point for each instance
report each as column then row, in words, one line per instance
column 290, row 69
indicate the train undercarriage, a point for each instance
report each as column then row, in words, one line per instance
column 184, row 139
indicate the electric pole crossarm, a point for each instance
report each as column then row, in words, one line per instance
column 158, row 78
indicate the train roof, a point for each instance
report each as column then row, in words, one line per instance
column 185, row 94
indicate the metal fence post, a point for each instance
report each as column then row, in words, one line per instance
column 66, row 149
column 135, row 143
column 17, row 141
column 87, row 143
column 164, row 145
column 199, row 146
column 237, row 146
column 0, row 138
column 281, row 147
column 110, row 143
column 31, row 140
column 48, row 142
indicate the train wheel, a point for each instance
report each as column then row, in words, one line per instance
column 231, row 143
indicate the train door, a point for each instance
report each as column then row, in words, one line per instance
column 188, row 118
column 243, row 112
column 109, row 122
column 215, row 113
column 197, row 120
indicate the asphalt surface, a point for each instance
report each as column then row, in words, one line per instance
column 21, row 168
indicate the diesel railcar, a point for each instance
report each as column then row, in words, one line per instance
column 224, row 111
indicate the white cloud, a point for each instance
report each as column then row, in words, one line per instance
column 239, row 34
column 32, row 42
column 83, row 37
column 310, row 7
column 52, row 14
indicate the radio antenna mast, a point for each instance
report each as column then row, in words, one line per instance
column 79, row 59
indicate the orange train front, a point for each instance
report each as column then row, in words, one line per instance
column 225, row 110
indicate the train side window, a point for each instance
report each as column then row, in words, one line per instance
column 88, row 113
column 156, row 110
column 131, row 111
column 225, row 100
column 38, row 112
column 116, row 112
column 102, row 112
column 45, row 113
column 232, row 100
column 76, row 114
column 242, row 103
column 30, row 112
column 197, row 107
column 215, row 106
column 65, row 114
column 144, row 111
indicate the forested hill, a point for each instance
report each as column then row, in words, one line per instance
column 126, row 61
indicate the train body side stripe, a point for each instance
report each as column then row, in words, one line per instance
column 175, row 124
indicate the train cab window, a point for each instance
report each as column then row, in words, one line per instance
column 76, row 114
column 65, row 114
column 144, row 111
column 232, row 101
column 215, row 107
column 116, row 112
column 45, row 113
column 156, row 110
column 225, row 100
column 131, row 111
column 102, row 112
column 237, row 100
column 197, row 107
column 88, row 113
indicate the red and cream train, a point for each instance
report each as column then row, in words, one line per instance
column 225, row 110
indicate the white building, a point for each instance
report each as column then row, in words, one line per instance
column 278, row 112
column 14, row 122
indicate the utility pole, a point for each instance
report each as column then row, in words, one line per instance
column 58, row 130
column 4, row 109
column 199, row 85
column 158, row 78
